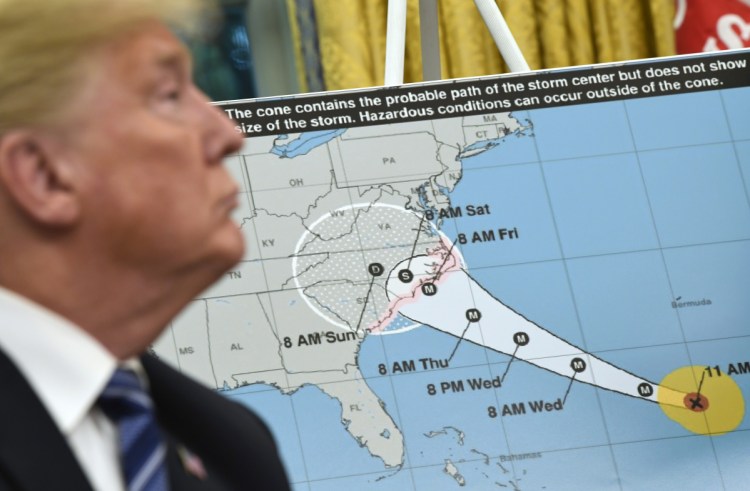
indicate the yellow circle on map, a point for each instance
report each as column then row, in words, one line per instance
column 712, row 407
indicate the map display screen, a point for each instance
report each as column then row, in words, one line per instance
column 521, row 282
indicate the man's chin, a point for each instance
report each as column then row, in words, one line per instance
column 231, row 247
column 211, row 264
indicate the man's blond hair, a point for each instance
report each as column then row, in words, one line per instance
column 44, row 45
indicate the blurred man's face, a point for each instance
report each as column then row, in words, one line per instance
column 156, row 194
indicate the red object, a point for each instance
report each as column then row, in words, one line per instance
column 712, row 25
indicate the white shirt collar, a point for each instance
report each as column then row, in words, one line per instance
column 66, row 367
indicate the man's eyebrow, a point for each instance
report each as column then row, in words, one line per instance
column 177, row 60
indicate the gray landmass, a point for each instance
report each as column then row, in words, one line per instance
column 241, row 339
column 452, row 429
column 451, row 469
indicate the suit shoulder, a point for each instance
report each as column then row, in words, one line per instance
column 225, row 434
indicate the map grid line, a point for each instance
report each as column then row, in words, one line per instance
column 664, row 263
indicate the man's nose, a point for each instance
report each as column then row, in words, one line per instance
column 221, row 137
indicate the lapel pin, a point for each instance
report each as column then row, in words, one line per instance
column 192, row 464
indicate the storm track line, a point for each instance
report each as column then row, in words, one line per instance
column 507, row 369
column 364, row 307
column 468, row 324
column 414, row 246
column 448, row 255
column 570, row 385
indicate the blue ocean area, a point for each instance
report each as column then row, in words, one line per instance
column 283, row 147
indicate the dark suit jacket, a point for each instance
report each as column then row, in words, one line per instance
column 235, row 447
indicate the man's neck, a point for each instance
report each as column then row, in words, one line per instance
column 125, row 322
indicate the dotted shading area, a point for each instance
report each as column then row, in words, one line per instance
column 332, row 265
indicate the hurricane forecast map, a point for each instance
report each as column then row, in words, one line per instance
column 528, row 282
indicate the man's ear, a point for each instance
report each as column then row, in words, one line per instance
column 37, row 179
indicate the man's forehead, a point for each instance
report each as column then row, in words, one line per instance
column 153, row 44
column 128, row 68
column 172, row 52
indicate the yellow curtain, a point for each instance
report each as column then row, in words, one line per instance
column 551, row 33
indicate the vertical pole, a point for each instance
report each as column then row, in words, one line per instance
column 395, row 42
column 429, row 32
column 500, row 32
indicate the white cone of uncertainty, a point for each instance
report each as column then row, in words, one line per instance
column 437, row 292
